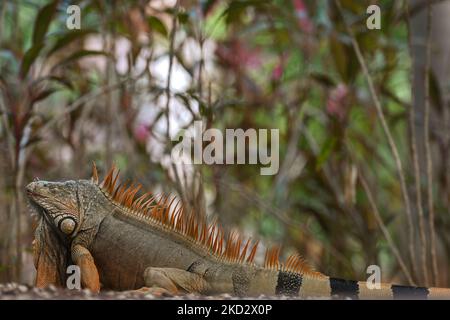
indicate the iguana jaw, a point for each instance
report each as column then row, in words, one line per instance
column 44, row 217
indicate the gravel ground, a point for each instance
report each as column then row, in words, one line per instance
column 15, row 291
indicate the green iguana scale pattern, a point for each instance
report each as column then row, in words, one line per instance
column 124, row 242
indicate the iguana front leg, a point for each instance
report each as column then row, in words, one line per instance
column 174, row 280
column 89, row 274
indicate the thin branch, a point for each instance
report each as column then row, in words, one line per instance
column 415, row 158
column 109, row 106
column 389, row 137
column 183, row 191
column 251, row 196
column 84, row 99
column 429, row 160
column 9, row 135
column 2, row 19
column 416, row 9
column 169, row 73
column 384, row 229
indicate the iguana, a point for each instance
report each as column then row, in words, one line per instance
column 124, row 242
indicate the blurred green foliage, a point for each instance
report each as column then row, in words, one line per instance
column 287, row 65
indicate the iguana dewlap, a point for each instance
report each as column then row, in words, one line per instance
column 122, row 242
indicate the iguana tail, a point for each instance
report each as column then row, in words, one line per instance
column 235, row 269
column 307, row 286
column 315, row 285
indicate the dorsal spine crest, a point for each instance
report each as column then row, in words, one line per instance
column 168, row 212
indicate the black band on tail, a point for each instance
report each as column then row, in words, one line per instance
column 415, row 293
column 344, row 288
column 288, row 283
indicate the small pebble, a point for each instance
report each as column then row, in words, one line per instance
column 22, row 289
column 52, row 288
column 87, row 292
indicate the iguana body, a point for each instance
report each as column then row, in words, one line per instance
column 127, row 243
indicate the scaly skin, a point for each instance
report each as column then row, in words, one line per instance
column 118, row 248
column 50, row 256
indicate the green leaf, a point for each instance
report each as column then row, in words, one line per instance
column 43, row 21
column 43, row 94
column 323, row 79
column 61, row 80
column 207, row 5
column 68, row 38
column 435, row 91
column 28, row 59
column 8, row 61
column 356, row 7
column 183, row 17
column 340, row 57
column 325, row 152
column 157, row 25
column 237, row 8
column 234, row 11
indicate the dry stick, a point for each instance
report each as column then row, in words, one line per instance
column 383, row 228
column 200, row 197
column 2, row 18
column 179, row 183
column 389, row 137
column 19, row 173
column 429, row 161
column 108, row 42
column 9, row 135
column 412, row 117
column 169, row 75
column 168, row 95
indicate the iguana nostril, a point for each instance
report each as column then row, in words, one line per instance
column 30, row 187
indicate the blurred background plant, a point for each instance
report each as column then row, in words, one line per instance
column 363, row 117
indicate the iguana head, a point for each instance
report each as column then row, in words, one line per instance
column 59, row 203
column 59, row 214
column 66, row 212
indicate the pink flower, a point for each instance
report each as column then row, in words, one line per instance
column 278, row 71
column 302, row 14
column 337, row 101
column 141, row 133
column 238, row 55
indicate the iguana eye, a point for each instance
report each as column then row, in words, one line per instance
column 67, row 225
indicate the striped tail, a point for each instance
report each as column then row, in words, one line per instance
column 319, row 286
